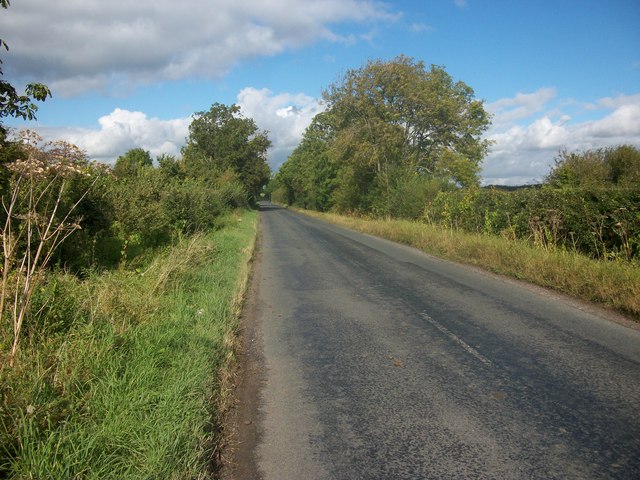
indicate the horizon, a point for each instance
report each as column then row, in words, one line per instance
column 554, row 75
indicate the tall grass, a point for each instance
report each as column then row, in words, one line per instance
column 134, row 387
column 614, row 284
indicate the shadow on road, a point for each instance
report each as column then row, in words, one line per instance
column 265, row 206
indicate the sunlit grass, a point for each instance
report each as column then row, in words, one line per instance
column 134, row 390
column 614, row 284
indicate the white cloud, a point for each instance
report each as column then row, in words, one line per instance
column 615, row 102
column 524, row 151
column 421, row 27
column 77, row 46
column 122, row 130
column 284, row 115
column 523, row 105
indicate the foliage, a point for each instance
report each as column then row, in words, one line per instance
column 616, row 166
column 222, row 139
column 599, row 222
column 387, row 124
column 398, row 113
column 51, row 192
column 119, row 356
column 126, row 380
column 590, row 204
column 308, row 176
column 39, row 215
column 12, row 104
column 153, row 206
column 410, row 193
column 132, row 162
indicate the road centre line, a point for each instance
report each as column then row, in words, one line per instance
column 457, row 339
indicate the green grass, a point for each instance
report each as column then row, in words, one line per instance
column 135, row 389
column 613, row 284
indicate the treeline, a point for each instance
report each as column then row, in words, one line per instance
column 391, row 131
column 63, row 212
column 138, row 204
column 99, row 266
column 401, row 140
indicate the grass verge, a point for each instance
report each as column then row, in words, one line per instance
column 615, row 285
column 134, row 387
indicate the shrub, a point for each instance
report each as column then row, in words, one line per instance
column 601, row 223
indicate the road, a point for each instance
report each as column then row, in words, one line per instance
column 376, row 361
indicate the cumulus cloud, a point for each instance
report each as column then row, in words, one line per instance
column 530, row 131
column 523, row 105
column 284, row 115
column 83, row 45
column 122, row 130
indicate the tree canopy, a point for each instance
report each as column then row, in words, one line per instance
column 131, row 162
column 389, row 126
column 220, row 140
column 619, row 166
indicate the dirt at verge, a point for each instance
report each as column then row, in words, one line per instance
column 242, row 428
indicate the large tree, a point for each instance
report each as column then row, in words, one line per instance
column 220, row 140
column 399, row 118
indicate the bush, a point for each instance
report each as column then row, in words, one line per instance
column 602, row 223
column 410, row 195
column 152, row 208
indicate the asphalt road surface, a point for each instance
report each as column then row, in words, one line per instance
column 380, row 362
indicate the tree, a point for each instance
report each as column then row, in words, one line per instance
column 131, row 163
column 389, row 127
column 307, row 178
column 624, row 166
column 602, row 167
column 397, row 118
column 222, row 139
column 12, row 104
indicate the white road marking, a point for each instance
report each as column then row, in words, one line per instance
column 457, row 339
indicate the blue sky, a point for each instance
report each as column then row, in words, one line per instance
column 561, row 74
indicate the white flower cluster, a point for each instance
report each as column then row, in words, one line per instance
column 52, row 159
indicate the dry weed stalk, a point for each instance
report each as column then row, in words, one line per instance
column 36, row 220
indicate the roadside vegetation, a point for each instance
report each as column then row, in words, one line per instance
column 398, row 151
column 134, row 385
column 119, row 296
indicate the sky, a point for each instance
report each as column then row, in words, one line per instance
column 561, row 74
